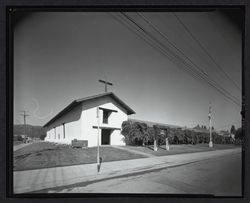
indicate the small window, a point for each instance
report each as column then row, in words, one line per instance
column 63, row 131
column 105, row 116
column 55, row 133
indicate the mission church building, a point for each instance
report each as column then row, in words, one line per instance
column 79, row 121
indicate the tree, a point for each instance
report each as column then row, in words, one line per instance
column 144, row 135
column 194, row 137
column 19, row 138
column 126, row 132
column 239, row 134
column 42, row 137
column 136, row 133
column 179, row 136
column 217, row 139
column 233, row 130
column 171, row 135
column 187, row 136
column 197, row 127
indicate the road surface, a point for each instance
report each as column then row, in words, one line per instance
column 219, row 176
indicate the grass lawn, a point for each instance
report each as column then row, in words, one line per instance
column 17, row 142
column 45, row 155
column 180, row 149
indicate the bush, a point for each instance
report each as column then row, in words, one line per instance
column 239, row 134
column 238, row 142
column 42, row 137
column 18, row 138
column 188, row 137
column 136, row 133
column 160, row 134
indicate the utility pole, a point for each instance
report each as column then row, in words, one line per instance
column 210, row 126
column 24, row 120
column 98, row 132
column 106, row 84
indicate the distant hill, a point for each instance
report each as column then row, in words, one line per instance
column 31, row 131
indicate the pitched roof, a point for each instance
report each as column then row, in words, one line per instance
column 82, row 100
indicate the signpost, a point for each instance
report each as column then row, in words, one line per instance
column 210, row 126
column 24, row 121
column 98, row 132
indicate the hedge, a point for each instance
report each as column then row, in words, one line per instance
column 139, row 133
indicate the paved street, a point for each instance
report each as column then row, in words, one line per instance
column 218, row 176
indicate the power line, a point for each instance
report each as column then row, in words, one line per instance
column 153, row 45
column 204, row 49
column 183, row 54
column 220, row 89
column 194, row 74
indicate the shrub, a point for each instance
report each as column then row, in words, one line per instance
column 239, row 134
column 160, row 134
column 18, row 138
column 136, row 133
column 187, row 136
column 42, row 137
column 238, row 142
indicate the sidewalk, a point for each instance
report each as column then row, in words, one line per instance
column 33, row 180
column 133, row 151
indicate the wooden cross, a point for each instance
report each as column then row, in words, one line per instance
column 106, row 84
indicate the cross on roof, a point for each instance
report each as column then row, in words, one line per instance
column 106, row 84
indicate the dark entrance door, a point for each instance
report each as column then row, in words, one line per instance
column 106, row 136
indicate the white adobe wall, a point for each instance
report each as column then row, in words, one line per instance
column 72, row 126
column 115, row 120
column 117, row 138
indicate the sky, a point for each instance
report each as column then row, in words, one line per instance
column 60, row 56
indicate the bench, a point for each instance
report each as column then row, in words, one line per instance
column 79, row 143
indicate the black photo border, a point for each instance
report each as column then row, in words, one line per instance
column 6, row 99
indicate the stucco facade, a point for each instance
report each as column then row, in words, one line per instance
column 81, row 121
